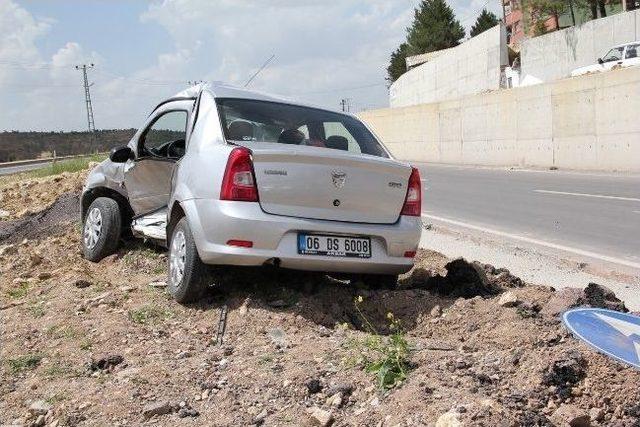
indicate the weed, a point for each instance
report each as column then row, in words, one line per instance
column 390, row 361
column 23, row 363
column 37, row 310
column 86, row 344
column 149, row 314
column 20, row 291
column 58, row 370
column 58, row 331
column 56, row 398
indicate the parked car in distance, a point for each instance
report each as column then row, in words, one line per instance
column 624, row 55
column 225, row 176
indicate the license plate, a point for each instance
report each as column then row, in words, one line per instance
column 338, row 246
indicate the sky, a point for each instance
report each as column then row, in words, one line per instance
column 144, row 52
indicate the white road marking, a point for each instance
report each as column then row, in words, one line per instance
column 556, row 246
column 625, row 328
column 599, row 196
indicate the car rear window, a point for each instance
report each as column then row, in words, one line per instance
column 250, row 120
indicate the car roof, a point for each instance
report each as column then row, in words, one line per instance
column 224, row 90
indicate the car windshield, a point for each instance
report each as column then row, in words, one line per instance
column 250, row 120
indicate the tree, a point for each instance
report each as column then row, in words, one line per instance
column 434, row 27
column 541, row 10
column 485, row 21
column 398, row 65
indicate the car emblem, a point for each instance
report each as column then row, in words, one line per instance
column 338, row 178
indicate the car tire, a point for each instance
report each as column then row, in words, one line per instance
column 101, row 229
column 188, row 275
column 380, row 281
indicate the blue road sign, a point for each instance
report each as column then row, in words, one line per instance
column 610, row 332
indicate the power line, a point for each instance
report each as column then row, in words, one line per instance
column 87, row 96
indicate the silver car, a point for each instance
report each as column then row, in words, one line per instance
column 224, row 176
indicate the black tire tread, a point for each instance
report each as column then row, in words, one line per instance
column 196, row 273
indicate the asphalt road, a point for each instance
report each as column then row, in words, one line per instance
column 594, row 215
column 21, row 168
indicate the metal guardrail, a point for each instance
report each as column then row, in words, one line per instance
column 34, row 162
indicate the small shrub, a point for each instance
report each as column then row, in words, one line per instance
column 23, row 363
column 19, row 291
column 390, row 362
column 149, row 314
column 86, row 344
column 71, row 165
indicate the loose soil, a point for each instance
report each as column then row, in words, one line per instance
column 103, row 343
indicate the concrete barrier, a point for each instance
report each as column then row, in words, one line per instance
column 472, row 67
column 553, row 56
column 588, row 123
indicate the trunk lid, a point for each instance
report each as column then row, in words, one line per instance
column 317, row 183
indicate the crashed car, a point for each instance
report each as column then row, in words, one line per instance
column 224, row 176
column 621, row 56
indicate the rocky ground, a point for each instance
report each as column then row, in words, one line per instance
column 103, row 344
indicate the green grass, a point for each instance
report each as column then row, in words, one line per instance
column 19, row 291
column 62, row 331
column 86, row 344
column 71, row 165
column 23, row 363
column 149, row 314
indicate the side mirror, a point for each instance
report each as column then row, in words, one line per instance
column 600, row 61
column 121, row 154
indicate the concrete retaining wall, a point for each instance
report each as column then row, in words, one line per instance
column 589, row 122
column 472, row 67
column 554, row 55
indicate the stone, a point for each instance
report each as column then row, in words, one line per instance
column 277, row 337
column 436, row 311
column 157, row 408
column 106, row 363
column 449, row 419
column 570, row 415
column 44, row 276
column 39, row 407
column 158, row 284
column 508, row 299
column 81, row 283
column 39, row 422
column 8, row 250
column 314, row 386
column 187, row 411
column 563, row 300
column 321, row 418
column 599, row 296
column 596, row 414
column 335, row 400
column 4, row 214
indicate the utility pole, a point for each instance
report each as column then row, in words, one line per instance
column 345, row 104
column 87, row 96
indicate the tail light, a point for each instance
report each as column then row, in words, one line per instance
column 413, row 201
column 239, row 182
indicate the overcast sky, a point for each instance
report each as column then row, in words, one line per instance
column 146, row 51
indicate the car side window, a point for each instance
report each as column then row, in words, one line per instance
column 632, row 51
column 614, row 54
column 339, row 137
column 166, row 136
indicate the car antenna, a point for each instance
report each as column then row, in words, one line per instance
column 259, row 70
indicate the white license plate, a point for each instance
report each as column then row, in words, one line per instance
column 338, row 246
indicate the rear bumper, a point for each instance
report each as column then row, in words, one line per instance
column 214, row 222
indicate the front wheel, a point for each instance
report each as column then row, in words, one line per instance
column 188, row 275
column 101, row 229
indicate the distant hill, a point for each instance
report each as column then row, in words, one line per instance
column 30, row 145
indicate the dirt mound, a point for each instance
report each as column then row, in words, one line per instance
column 463, row 279
column 64, row 210
column 103, row 344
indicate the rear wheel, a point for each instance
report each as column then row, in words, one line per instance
column 101, row 229
column 188, row 275
column 380, row 281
